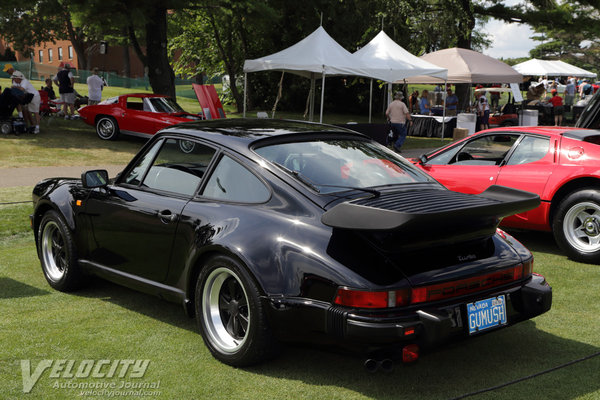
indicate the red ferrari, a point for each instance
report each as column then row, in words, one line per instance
column 561, row 165
column 138, row 114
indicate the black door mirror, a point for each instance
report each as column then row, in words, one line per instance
column 423, row 159
column 95, row 178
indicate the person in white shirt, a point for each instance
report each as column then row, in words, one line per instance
column 483, row 111
column 95, row 85
column 32, row 110
column 398, row 115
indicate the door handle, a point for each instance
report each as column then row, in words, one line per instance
column 167, row 216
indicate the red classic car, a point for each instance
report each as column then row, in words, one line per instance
column 138, row 114
column 561, row 165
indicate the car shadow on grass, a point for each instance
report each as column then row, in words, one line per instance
column 450, row 371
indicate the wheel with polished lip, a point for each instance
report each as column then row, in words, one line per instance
column 107, row 128
column 230, row 315
column 576, row 225
column 58, row 254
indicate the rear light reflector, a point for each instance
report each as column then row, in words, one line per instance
column 465, row 286
column 410, row 353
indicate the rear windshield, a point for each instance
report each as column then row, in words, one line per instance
column 340, row 164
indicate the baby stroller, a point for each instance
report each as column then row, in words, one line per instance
column 9, row 99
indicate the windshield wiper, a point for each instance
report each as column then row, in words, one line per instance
column 299, row 176
column 374, row 192
column 315, row 186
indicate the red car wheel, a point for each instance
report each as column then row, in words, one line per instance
column 107, row 128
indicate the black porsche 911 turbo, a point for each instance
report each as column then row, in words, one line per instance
column 270, row 231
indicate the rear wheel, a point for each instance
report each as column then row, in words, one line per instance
column 230, row 314
column 107, row 128
column 58, row 254
column 576, row 225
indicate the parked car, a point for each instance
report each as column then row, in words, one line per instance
column 559, row 164
column 270, row 231
column 137, row 114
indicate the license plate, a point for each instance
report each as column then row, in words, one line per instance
column 486, row 314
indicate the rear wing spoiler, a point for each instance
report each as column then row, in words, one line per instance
column 432, row 212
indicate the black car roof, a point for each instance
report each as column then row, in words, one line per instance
column 237, row 132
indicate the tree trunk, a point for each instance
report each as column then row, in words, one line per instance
column 160, row 73
column 466, row 26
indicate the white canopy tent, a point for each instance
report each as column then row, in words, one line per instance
column 388, row 61
column 316, row 54
column 535, row 67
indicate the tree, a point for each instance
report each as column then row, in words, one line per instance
column 26, row 23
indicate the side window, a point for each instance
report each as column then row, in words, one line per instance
column 230, row 181
column 485, row 150
column 135, row 176
column 179, row 167
column 530, row 149
column 135, row 103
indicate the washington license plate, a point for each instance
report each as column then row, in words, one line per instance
column 486, row 314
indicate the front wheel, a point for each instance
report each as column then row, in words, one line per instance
column 576, row 225
column 58, row 254
column 107, row 128
column 230, row 315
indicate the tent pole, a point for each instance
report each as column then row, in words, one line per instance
column 245, row 91
column 445, row 93
column 311, row 114
column 370, row 100
column 322, row 97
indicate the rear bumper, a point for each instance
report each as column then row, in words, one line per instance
column 427, row 327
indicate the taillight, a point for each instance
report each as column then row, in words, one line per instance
column 528, row 268
column 372, row 299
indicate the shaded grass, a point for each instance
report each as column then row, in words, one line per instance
column 105, row 321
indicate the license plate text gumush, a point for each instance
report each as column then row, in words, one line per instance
column 486, row 314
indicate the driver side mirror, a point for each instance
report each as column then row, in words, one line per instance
column 95, row 178
column 423, row 159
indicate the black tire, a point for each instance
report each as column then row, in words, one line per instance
column 230, row 314
column 107, row 128
column 576, row 225
column 58, row 253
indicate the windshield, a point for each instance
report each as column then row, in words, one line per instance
column 165, row 104
column 337, row 165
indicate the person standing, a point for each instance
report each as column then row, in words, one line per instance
column 65, row 81
column 399, row 116
column 424, row 107
column 483, row 111
column 95, row 85
column 570, row 91
column 451, row 102
column 31, row 111
column 557, row 103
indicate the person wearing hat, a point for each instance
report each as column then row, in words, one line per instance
column 585, row 89
column 95, row 85
column 9, row 69
column 398, row 115
column 31, row 111
column 65, row 81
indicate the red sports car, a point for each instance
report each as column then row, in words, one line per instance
column 138, row 114
column 561, row 165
